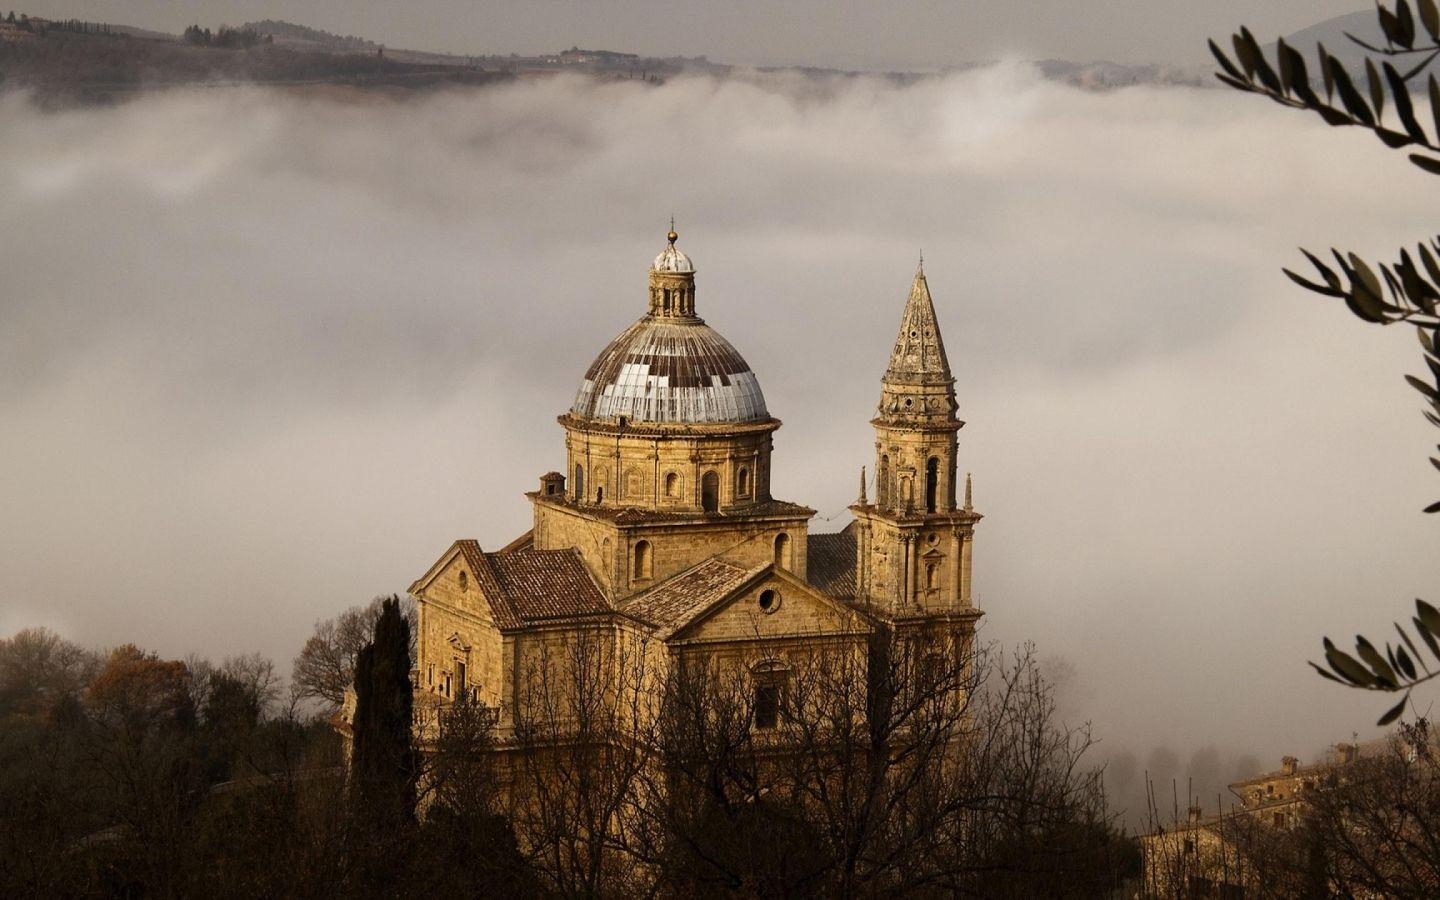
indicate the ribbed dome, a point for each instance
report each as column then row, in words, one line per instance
column 670, row 371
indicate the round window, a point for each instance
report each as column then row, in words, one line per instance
column 769, row 601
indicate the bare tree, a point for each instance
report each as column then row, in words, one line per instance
column 325, row 666
column 584, row 728
column 909, row 765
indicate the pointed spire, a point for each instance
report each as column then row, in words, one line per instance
column 919, row 354
column 863, row 501
column 969, row 494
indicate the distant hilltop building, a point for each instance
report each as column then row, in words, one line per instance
column 1212, row 856
column 576, row 56
column 663, row 535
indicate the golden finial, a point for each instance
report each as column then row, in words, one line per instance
column 672, row 236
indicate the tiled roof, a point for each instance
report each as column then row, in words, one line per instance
column 528, row 586
column 831, row 563
column 627, row 515
column 678, row 599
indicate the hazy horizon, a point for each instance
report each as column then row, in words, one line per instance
column 908, row 34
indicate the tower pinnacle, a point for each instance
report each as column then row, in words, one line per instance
column 919, row 354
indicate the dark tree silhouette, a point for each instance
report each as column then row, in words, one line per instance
column 384, row 764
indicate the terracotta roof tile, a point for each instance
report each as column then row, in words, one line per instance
column 681, row 597
column 831, row 563
column 527, row 586
column 548, row 584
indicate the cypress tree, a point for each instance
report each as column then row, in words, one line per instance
column 384, row 763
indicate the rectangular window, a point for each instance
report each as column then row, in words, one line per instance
column 767, row 705
column 430, row 674
column 460, row 678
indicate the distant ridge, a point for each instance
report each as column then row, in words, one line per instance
column 307, row 34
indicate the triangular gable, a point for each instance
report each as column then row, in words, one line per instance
column 803, row 610
column 468, row 555
column 436, row 570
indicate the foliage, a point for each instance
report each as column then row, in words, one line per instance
column 226, row 37
column 621, row 777
column 1405, row 291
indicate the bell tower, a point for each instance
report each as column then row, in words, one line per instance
column 913, row 550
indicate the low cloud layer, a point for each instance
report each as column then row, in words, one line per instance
column 263, row 356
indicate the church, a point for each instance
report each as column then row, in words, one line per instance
column 663, row 531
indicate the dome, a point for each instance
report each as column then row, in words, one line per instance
column 673, row 260
column 671, row 371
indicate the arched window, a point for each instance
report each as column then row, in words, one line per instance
column 672, row 485
column 770, row 683
column 579, row 482
column 599, row 495
column 882, row 481
column 932, row 576
column 644, row 560
column 932, row 483
column 710, row 492
column 742, row 482
column 782, row 550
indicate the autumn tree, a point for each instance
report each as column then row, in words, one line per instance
column 38, row 669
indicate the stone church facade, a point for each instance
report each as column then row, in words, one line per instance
column 663, row 535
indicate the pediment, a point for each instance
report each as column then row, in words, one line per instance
column 457, row 642
column 771, row 604
column 439, row 569
column 460, row 580
column 932, row 553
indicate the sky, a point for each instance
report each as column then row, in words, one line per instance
column 264, row 356
column 900, row 34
